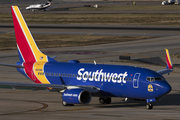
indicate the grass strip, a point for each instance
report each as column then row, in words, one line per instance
column 121, row 19
column 8, row 42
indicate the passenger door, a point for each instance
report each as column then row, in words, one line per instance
column 136, row 80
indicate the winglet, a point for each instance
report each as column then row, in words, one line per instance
column 168, row 60
column 169, row 64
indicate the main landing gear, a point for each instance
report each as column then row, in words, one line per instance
column 105, row 100
column 149, row 106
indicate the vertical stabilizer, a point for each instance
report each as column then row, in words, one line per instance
column 27, row 48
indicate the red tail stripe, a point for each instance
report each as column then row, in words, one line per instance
column 21, row 41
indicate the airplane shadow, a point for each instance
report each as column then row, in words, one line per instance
column 168, row 100
column 152, row 60
column 61, row 9
column 176, row 65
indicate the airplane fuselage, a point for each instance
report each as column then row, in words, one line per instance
column 113, row 80
column 38, row 6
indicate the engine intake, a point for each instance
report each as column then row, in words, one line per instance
column 76, row 96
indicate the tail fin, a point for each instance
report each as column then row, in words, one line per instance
column 48, row 2
column 168, row 60
column 27, row 48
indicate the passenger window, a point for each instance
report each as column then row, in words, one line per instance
column 129, row 79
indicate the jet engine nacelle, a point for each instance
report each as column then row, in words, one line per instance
column 76, row 96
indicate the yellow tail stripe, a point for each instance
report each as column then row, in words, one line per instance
column 39, row 72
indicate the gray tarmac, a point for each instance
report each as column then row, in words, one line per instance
column 90, row 29
column 45, row 105
column 27, row 104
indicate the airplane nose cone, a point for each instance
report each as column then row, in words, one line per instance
column 163, row 88
column 167, row 88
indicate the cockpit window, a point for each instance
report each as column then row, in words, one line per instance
column 151, row 79
column 158, row 78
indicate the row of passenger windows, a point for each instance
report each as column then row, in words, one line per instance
column 75, row 76
column 57, row 74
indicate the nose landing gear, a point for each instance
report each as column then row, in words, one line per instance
column 149, row 106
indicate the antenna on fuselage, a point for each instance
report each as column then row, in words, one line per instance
column 94, row 62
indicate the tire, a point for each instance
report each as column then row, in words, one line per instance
column 71, row 104
column 102, row 100
column 64, row 103
column 108, row 100
column 149, row 106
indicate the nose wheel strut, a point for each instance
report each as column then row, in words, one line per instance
column 149, row 106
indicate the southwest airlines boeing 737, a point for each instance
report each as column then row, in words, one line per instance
column 78, row 82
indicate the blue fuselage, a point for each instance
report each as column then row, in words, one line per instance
column 113, row 80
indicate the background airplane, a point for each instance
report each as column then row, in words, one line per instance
column 39, row 6
column 78, row 82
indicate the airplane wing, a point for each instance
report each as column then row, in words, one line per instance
column 169, row 64
column 165, row 71
column 91, row 89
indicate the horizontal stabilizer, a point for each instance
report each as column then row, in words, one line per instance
column 12, row 65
